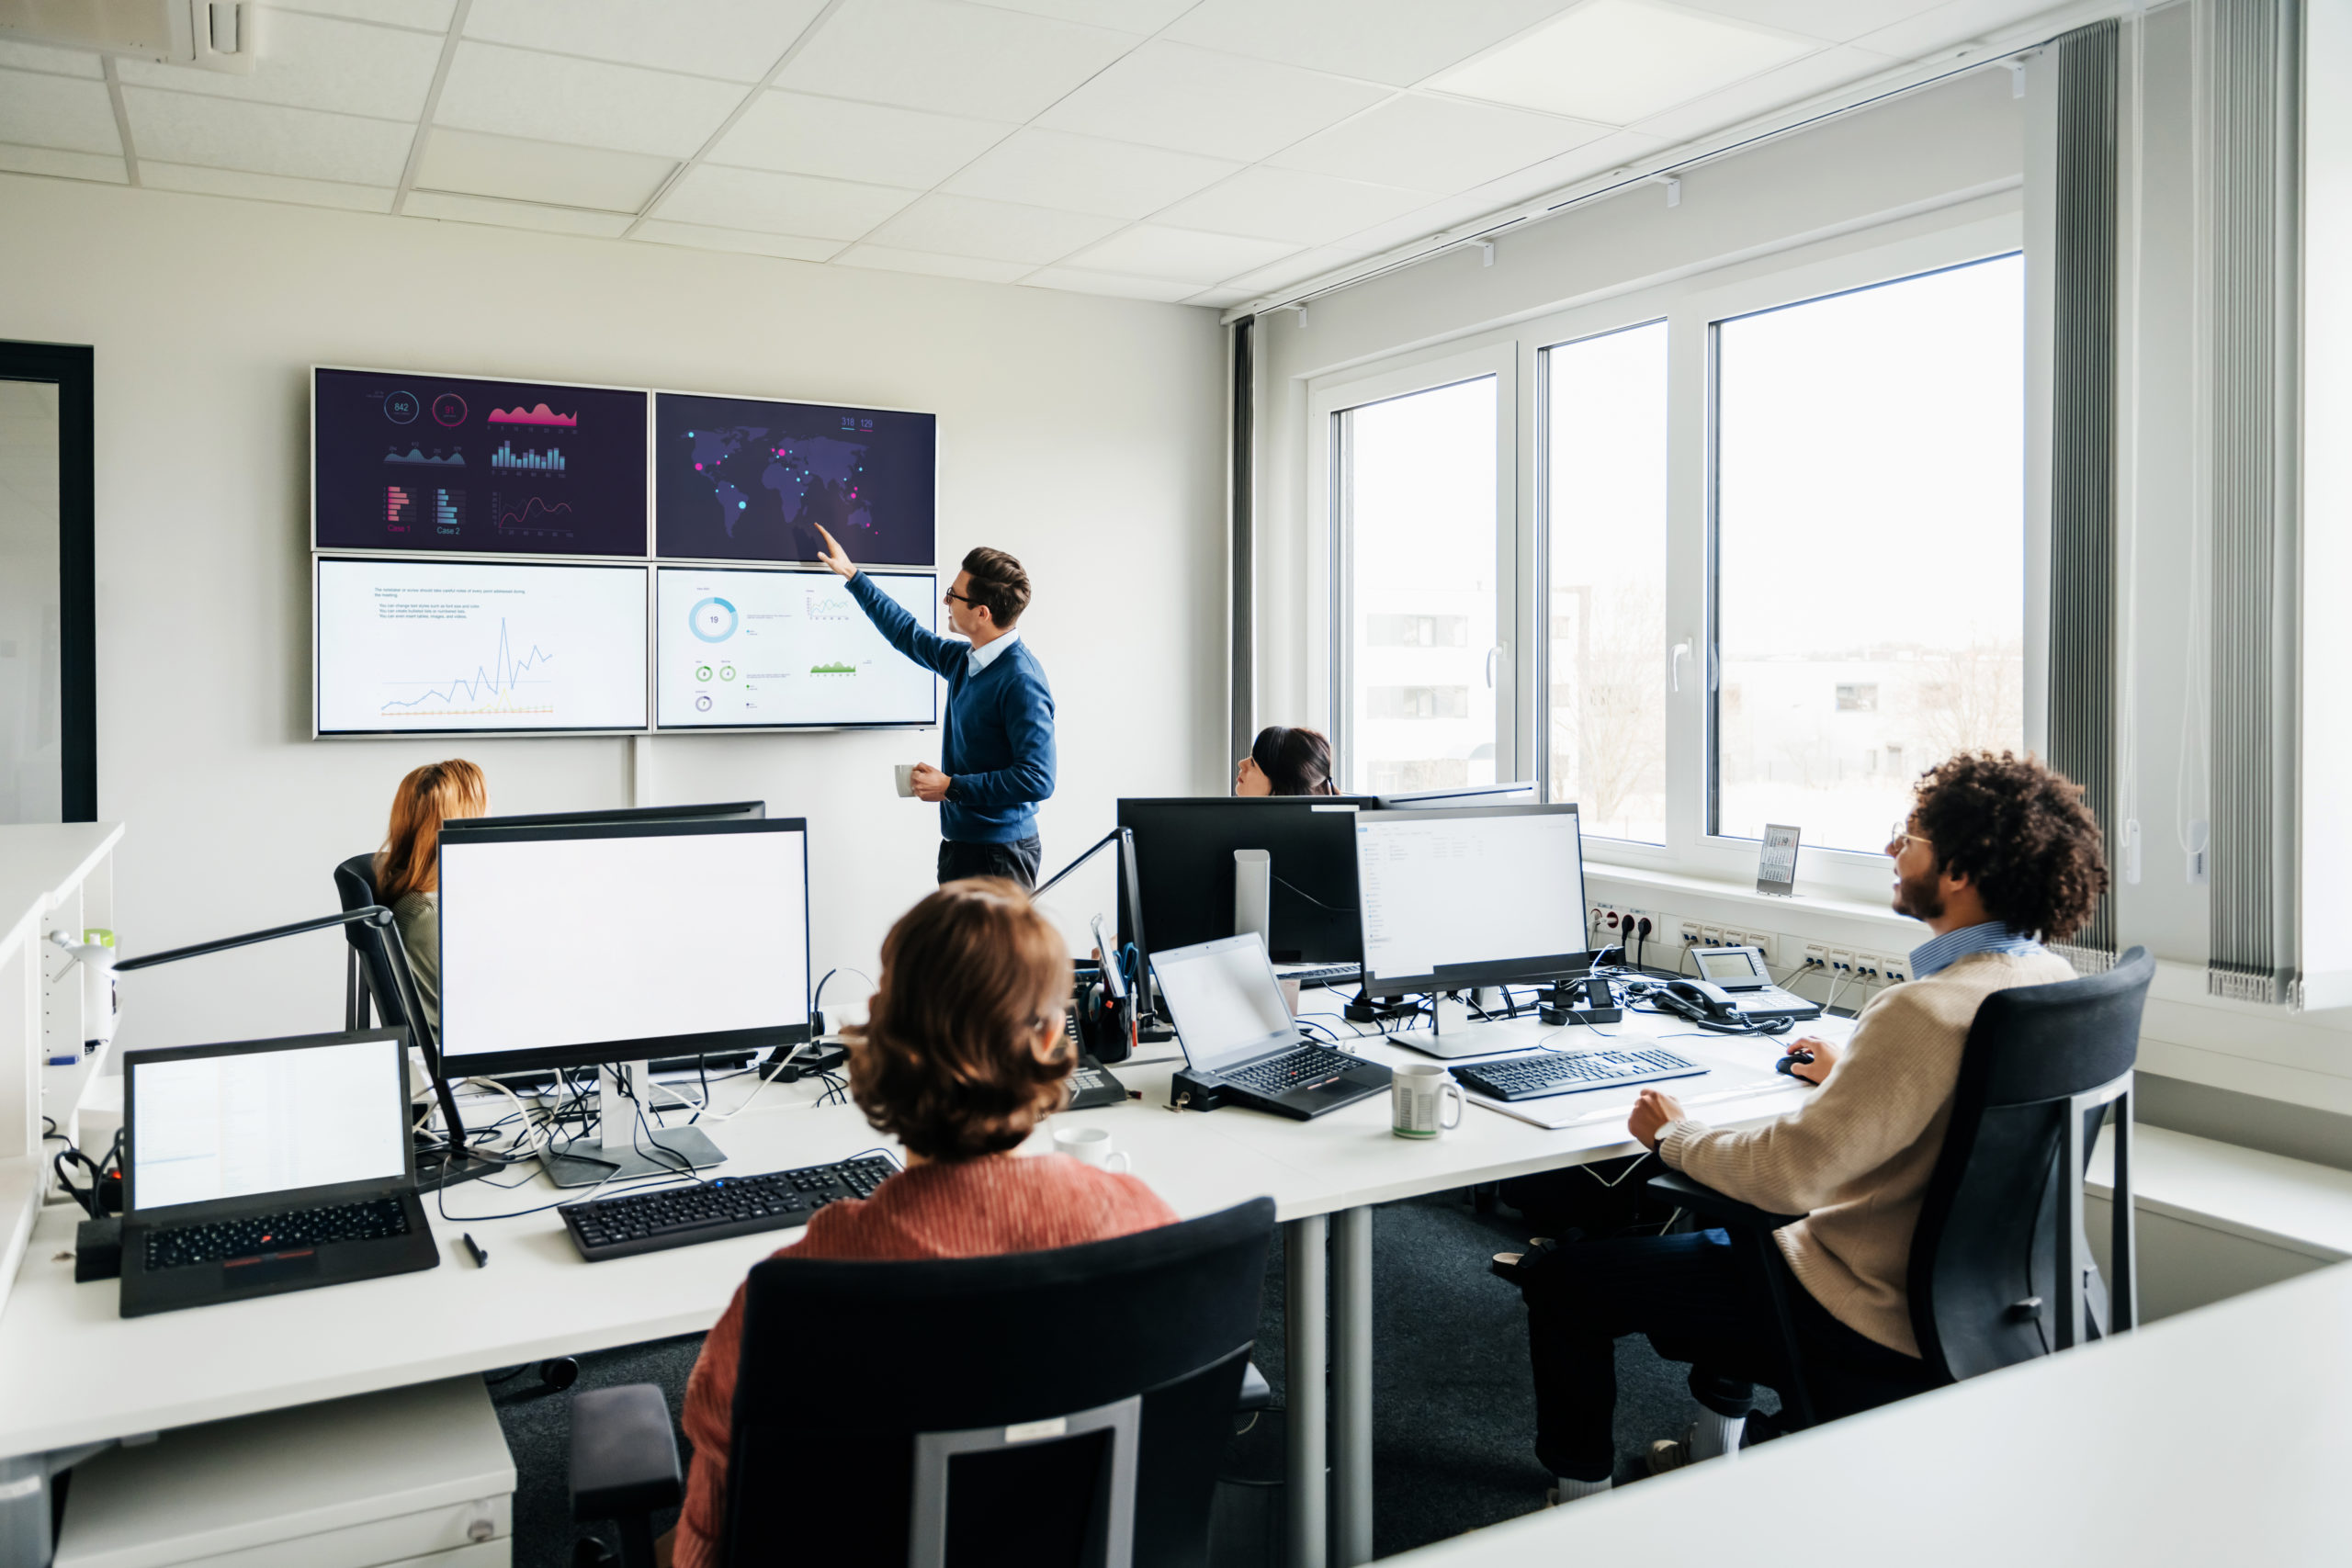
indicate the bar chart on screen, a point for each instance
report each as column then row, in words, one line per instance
column 414, row 646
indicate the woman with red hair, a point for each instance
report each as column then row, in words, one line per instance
column 408, row 868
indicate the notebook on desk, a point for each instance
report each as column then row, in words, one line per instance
column 267, row 1165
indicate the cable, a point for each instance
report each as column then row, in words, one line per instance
column 1311, row 899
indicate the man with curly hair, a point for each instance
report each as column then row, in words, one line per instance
column 1998, row 856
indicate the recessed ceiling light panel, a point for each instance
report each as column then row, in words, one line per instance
column 1620, row 61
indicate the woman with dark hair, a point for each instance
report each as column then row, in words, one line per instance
column 961, row 1057
column 1286, row 761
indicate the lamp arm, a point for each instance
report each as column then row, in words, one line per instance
column 374, row 914
column 1104, row 842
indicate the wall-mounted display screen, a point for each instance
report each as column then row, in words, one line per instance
column 740, row 649
column 746, row 478
column 400, row 461
column 421, row 646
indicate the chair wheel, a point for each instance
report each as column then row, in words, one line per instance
column 561, row 1373
column 589, row 1552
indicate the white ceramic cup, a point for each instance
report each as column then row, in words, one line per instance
column 906, row 773
column 1092, row 1144
column 1417, row 1092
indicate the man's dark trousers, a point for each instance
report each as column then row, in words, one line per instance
column 1017, row 861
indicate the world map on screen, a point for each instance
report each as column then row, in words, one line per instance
column 740, row 479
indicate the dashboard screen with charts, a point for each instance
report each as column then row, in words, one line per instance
column 760, row 650
column 406, row 461
column 424, row 647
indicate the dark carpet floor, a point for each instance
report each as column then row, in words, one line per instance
column 1454, row 1416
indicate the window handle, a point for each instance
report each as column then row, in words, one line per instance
column 1674, row 673
column 1492, row 655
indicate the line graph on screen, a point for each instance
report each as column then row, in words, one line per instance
column 504, row 686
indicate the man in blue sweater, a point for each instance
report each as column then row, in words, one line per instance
column 998, row 748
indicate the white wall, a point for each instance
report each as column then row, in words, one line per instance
column 1085, row 434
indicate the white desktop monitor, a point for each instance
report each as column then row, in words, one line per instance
column 575, row 946
column 1486, row 896
column 1226, row 1004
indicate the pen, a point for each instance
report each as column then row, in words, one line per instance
column 481, row 1258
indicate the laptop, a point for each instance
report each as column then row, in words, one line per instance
column 1237, row 1031
column 267, row 1165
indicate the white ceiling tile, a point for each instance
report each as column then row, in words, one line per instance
column 1127, row 15
column 266, row 138
column 264, row 188
column 433, row 15
column 1959, row 21
column 1192, row 100
column 1186, row 255
column 1620, row 61
column 1288, row 204
column 842, row 140
column 1792, row 84
column 1217, row 299
column 1125, row 286
column 932, row 264
column 545, row 172
column 314, row 62
column 1086, row 174
column 67, row 166
column 549, row 98
column 1522, row 185
column 56, row 62
column 1436, row 144
column 1287, row 271
column 1396, row 41
column 57, row 111
column 453, row 209
column 702, row 237
column 950, row 58
column 736, row 39
column 993, row 230
column 1836, row 20
column 780, row 204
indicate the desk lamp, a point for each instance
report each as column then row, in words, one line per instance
column 1149, row 1025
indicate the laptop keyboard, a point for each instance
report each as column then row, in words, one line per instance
column 1302, row 1068
column 1327, row 974
column 183, row 1246
column 1566, row 1072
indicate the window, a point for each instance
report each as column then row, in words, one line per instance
column 1418, row 539
column 1605, row 452
column 1870, row 548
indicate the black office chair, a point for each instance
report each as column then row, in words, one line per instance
column 367, row 975
column 2000, row 1269
column 1077, row 1419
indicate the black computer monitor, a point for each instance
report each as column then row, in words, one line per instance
column 607, row 944
column 1522, row 790
column 714, row 811
column 1476, row 896
column 1184, row 862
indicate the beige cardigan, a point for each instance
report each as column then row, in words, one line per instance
column 1855, row 1159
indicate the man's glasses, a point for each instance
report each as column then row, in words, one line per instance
column 1899, row 837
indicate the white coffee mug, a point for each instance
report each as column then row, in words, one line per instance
column 1417, row 1092
column 906, row 773
column 1092, row 1144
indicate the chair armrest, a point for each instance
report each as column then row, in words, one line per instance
column 624, row 1454
column 1710, row 1204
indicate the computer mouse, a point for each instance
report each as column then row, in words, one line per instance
column 1792, row 1061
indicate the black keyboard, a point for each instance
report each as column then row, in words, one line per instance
column 730, row 1205
column 1569, row 1072
column 1328, row 975
column 1302, row 1068
column 183, row 1246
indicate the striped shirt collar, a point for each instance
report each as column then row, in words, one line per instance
column 1940, row 952
column 981, row 659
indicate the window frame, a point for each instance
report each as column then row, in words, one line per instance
column 1331, row 548
column 1858, row 257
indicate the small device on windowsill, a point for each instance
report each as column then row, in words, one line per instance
column 1776, row 865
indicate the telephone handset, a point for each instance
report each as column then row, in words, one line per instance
column 1699, row 1001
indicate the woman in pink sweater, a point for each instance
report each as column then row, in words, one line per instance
column 961, row 1057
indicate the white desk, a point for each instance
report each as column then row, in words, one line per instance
column 77, row 1373
column 2216, row 1436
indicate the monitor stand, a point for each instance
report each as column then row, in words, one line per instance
column 625, row 1147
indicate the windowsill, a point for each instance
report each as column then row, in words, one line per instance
column 1903, row 932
